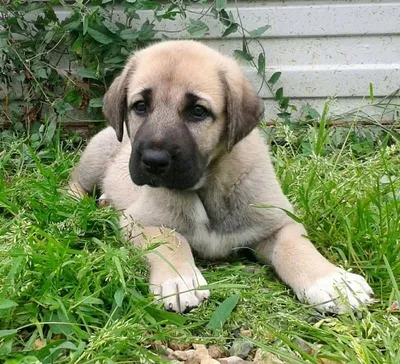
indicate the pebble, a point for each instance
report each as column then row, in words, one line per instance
column 216, row 351
column 176, row 345
column 182, row 355
column 209, row 361
column 233, row 360
column 240, row 348
column 264, row 357
column 245, row 332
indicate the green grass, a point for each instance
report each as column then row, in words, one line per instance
column 73, row 291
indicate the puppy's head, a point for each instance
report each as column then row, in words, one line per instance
column 183, row 104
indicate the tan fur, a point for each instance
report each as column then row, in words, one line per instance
column 215, row 216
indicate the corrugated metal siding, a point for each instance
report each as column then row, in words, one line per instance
column 323, row 48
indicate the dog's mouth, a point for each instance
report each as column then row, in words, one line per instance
column 179, row 175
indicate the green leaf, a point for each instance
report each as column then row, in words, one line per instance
column 231, row 29
column 220, row 4
column 7, row 333
column 243, row 55
column 371, row 92
column 259, row 31
column 42, row 73
column 224, row 18
column 162, row 315
column 106, row 1
column 284, row 103
column 114, row 60
column 197, row 28
column 110, row 26
column 118, row 265
column 222, row 313
column 77, row 46
column 261, row 64
column 6, row 348
column 146, row 31
column 72, row 25
column 127, row 34
column 279, row 94
column 274, row 78
column 87, row 73
column 100, row 37
column 98, row 102
column 65, row 345
column 6, row 304
column 119, row 296
column 85, row 24
column 73, row 97
column 91, row 300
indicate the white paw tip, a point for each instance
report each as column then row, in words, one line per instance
column 339, row 292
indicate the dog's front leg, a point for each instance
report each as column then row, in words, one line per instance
column 313, row 278
column 174, row 277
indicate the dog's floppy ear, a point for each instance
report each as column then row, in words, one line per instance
column 244, row 108
column 115, row 103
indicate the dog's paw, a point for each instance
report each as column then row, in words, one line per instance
column 339, row 292
column 180, row 293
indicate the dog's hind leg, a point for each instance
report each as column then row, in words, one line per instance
column 94, row 161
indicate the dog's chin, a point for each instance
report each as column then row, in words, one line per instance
column 181, row 183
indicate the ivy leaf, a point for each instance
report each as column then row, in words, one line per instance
column 146, row 31
column 222, row 313
column 231, row 29
column 224, row 18
column 220, row 4
column 279, row 94
column 100, row 37
column 284, row 103
column 197, row 28
column 72, row 25
column 243, row 55
column 73, row 97
column 259, row 31
column 274, row 78
column 77, row 46
column 127, row 34
column 261, row 64
column 87, row 73
column 114, row 60
column 97, row 102
column 110, row 26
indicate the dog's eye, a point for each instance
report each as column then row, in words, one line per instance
column 198, row 112
column 140, row 107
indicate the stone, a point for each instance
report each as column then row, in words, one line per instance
column 199, row 346
column 182, row 355
column 264, row 357
column 233, row 360
column 216, row 351
column 246, row 332
column 201, row 352
column 176, row 345
column 240, row 348
column 209, row 361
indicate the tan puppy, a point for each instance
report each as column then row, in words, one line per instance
column 185, row 162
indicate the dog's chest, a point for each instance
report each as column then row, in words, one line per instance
column 213, row 225
column 215, row 228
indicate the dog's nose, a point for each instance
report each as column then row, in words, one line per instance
column 156, row 161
